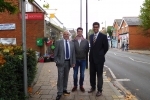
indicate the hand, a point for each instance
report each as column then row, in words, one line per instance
column 73, row 65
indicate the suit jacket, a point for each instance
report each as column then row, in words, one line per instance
column 98, row 49
column 59, row 53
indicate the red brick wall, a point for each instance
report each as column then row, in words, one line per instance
column 34, row 30
column 137, row 41
column 116, row 27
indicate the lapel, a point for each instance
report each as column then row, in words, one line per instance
column 62, row 46
column 98, row 37
column 92, row 36
column 70, row 46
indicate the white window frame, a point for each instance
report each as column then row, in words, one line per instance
column 27, row 7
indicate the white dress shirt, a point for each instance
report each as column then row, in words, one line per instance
column 96, row 34
column 65, row 48
column 79, row 41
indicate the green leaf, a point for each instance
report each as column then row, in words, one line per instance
column 145, row 18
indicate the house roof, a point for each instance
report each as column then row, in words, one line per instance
column 132, row 20
column 118, row 21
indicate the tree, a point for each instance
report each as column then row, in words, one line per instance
column 145, row 18
column 104, row 31
column 73, row 36
column 8, row 6
column 109, row 30
column 90, row 32
column 12, row 8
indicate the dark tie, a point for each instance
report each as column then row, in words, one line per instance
column 94, row 39
column 67, row 50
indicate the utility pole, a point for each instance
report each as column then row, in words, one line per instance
column 87, row 31
column 23, row 10
column 80, row 13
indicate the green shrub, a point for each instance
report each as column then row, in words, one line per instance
column 11, row 72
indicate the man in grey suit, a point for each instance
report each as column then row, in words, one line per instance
column 64, row 56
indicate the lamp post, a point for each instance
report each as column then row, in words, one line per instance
column 87, row 30
column 23, row 10
column 80, row 13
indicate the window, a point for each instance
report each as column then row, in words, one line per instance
column 29, row 7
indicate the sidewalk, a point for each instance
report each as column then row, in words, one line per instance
column 145, row 52
column 46, row 86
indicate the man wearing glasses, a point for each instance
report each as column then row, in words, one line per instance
column 99, row 47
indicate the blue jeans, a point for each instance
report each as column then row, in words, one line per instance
column 82, row 65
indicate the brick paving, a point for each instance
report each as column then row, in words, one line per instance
column 45, row 87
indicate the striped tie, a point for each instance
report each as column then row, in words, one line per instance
column 94, row 39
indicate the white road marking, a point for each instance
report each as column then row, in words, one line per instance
column 113, row 75
column 122, row 79
column 131, row 58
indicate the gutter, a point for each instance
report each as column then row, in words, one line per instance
column 35, row 3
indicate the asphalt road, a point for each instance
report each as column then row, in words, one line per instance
column 132, row 66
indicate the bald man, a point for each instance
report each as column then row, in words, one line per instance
column 64, row 56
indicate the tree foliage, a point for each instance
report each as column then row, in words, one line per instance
column 46, row 5
column 103, row 30
column 145, row 17
column 8, row 6
column 90, row 32
column 109, row 30
column 13, row 8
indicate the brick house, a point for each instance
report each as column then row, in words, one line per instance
column 115, row 32
column 129, row 32
column 36, row 25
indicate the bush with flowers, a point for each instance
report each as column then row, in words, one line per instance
column 11, row 71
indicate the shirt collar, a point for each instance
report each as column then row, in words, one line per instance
column 96, row 33
column 65, row 40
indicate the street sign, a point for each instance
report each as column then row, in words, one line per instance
column 10, row 26
column 33, row 16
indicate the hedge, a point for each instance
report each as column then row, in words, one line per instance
column 11, row 71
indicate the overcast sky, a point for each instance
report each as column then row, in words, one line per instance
column 98, row 10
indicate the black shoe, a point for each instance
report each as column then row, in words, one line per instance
column 58, row 97
column 66, row 93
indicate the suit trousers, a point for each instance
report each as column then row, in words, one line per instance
column 96, row 69
column 63, row 72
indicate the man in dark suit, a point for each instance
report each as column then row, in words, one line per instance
column 64, row 56
column 99, row 47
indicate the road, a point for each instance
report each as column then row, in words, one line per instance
column 134, row 68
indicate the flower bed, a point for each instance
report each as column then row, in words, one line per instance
column 11, row 71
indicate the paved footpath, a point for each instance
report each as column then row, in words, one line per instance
column 45, row 87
